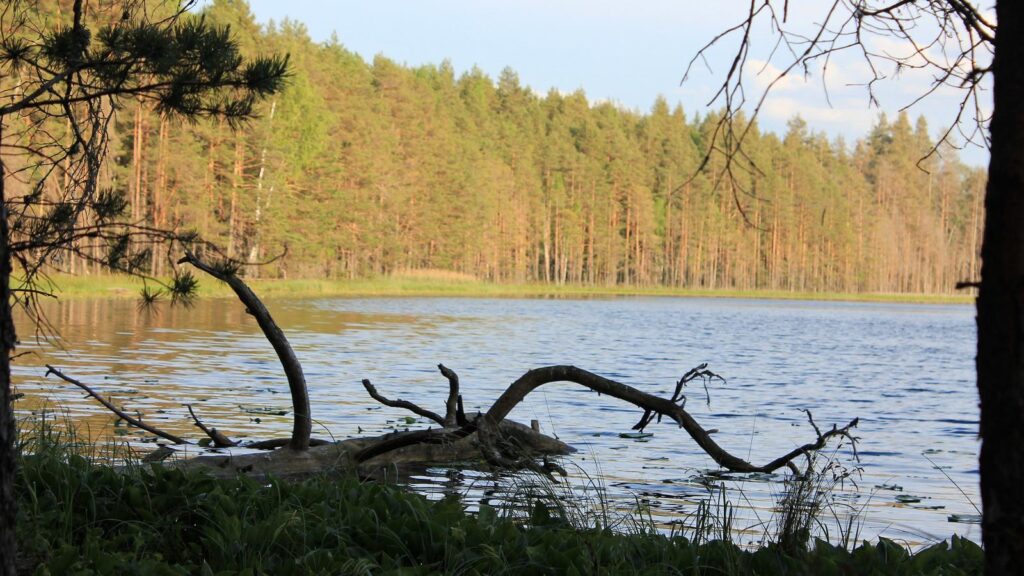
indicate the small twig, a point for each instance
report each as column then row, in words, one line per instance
column 810, row 419
column 402, row 404
column 219, row 440
column 117, row 411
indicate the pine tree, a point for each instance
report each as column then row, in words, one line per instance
column 61, row 90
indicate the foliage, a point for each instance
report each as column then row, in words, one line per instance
column 77, row 517
column 66, row 71
column 360, row 169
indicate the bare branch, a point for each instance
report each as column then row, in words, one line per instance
column 372, row 391
column 535, row 378
column 219, row 439
column 117, row 411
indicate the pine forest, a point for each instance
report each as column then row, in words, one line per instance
column 360, row 169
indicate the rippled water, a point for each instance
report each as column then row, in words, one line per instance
column 906, row 370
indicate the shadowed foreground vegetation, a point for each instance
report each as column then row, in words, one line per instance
column 77, row 516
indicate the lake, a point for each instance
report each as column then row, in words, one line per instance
column 906, row 370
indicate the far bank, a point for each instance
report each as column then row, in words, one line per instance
column 453, row 285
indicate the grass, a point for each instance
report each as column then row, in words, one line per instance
column 445, row 283
column 80, row 516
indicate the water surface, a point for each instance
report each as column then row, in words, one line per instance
column 906, row 370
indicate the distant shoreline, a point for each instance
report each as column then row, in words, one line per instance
column 69, row 287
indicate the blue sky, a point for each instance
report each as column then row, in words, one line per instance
column 626, row 52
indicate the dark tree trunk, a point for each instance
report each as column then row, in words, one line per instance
column 1001, row 308
column 7, row 430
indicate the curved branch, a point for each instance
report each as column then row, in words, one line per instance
column 402, row 404
column 663, row 406
column 117, row 411
column 303, row 424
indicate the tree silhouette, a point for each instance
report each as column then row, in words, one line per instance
column 65, row 75
column 962, row 47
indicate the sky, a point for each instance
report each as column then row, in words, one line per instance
column 625, row 52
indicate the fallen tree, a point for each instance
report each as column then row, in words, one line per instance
column 489, row 436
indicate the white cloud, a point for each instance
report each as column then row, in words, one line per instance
column 767, row 75
column 850, row 118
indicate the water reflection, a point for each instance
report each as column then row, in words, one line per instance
column 905, row 370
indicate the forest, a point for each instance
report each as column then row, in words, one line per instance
column 360, row 169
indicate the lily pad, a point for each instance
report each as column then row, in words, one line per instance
column 965, row 518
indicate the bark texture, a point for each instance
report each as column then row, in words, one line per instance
column 1001, row 308
column 8, row 512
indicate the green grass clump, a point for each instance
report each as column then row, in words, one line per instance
column 77, row 516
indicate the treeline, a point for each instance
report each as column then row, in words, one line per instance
column 366, row 168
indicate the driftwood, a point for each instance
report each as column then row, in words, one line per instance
column 490, row 436
column 495, row 451
column 340, row 457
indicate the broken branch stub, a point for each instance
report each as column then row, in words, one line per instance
column 302, row 427
column 451, row 407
